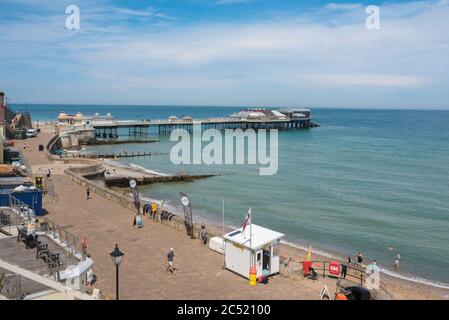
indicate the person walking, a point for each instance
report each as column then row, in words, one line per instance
column 48, row 173
column 359, row 259
column 88, row 192
column 203, row 234
column 153, row 210
column 344, row 270
column 170, row 260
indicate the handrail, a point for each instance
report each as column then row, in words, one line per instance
column 23, row 210
column 73, row 243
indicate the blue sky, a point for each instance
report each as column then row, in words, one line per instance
column 226, row 52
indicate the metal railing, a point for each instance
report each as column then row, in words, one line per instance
column 9, row 220
column 357, row 274
column 22, row 209
column 68, row 240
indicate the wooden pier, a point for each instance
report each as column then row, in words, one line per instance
column 110, row 128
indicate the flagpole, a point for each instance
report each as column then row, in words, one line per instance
column 224, row 243
column 250, row 239
column 223, row 218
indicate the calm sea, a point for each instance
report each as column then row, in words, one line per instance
column 364, row 180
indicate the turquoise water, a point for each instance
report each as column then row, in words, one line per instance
column 362, row 181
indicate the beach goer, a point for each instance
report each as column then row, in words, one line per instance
column 48, row 173
column 373, row 265
column 139, row 221
column 349, row 260
column 341, row 296
column 84, row 245
column 88, row 192
column 359, row 259
column 170, row 260
column 203, row 234
column 344, row 270
column 396, row 264
column 153, row 210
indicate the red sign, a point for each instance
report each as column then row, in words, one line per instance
column 335, row 268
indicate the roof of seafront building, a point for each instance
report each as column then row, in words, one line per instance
column 295, row 109
column 260, row 236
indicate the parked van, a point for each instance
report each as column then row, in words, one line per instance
column 31, row 133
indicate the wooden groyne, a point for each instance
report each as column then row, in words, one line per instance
column 127, row 155
column 108, row 155
column 113, row 142
column 122, row 181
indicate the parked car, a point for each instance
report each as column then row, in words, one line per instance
column 31, row 133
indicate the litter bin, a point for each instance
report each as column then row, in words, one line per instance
column 41, row 147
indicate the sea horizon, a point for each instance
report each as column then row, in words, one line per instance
column 21, row 106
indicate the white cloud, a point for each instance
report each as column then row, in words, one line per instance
column 378, row 80
column 343, row 6
column 271, row 61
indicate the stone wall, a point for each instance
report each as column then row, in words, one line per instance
column 127, row 202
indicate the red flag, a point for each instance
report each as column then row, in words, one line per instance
column 247, row 220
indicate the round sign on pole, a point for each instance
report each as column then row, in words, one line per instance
column 132, row 183
column 185, row 201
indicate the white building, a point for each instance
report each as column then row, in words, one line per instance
column 262, row 247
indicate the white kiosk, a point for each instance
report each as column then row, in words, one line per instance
column 262, row 247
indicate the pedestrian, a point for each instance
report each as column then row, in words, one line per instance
column 28, row 148
column 374, row 265
column 138, row 221
column 203, row 234
column 344, row 270
column 88, row 192
column 84, row 246
column 48, row 173
column 153, row 210
column 170, row 259
column 359, row 259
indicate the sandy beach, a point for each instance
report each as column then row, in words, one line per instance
column 200, row 273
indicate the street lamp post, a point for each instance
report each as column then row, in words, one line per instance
column 116, row 256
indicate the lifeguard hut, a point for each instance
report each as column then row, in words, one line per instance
column 260, row 249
